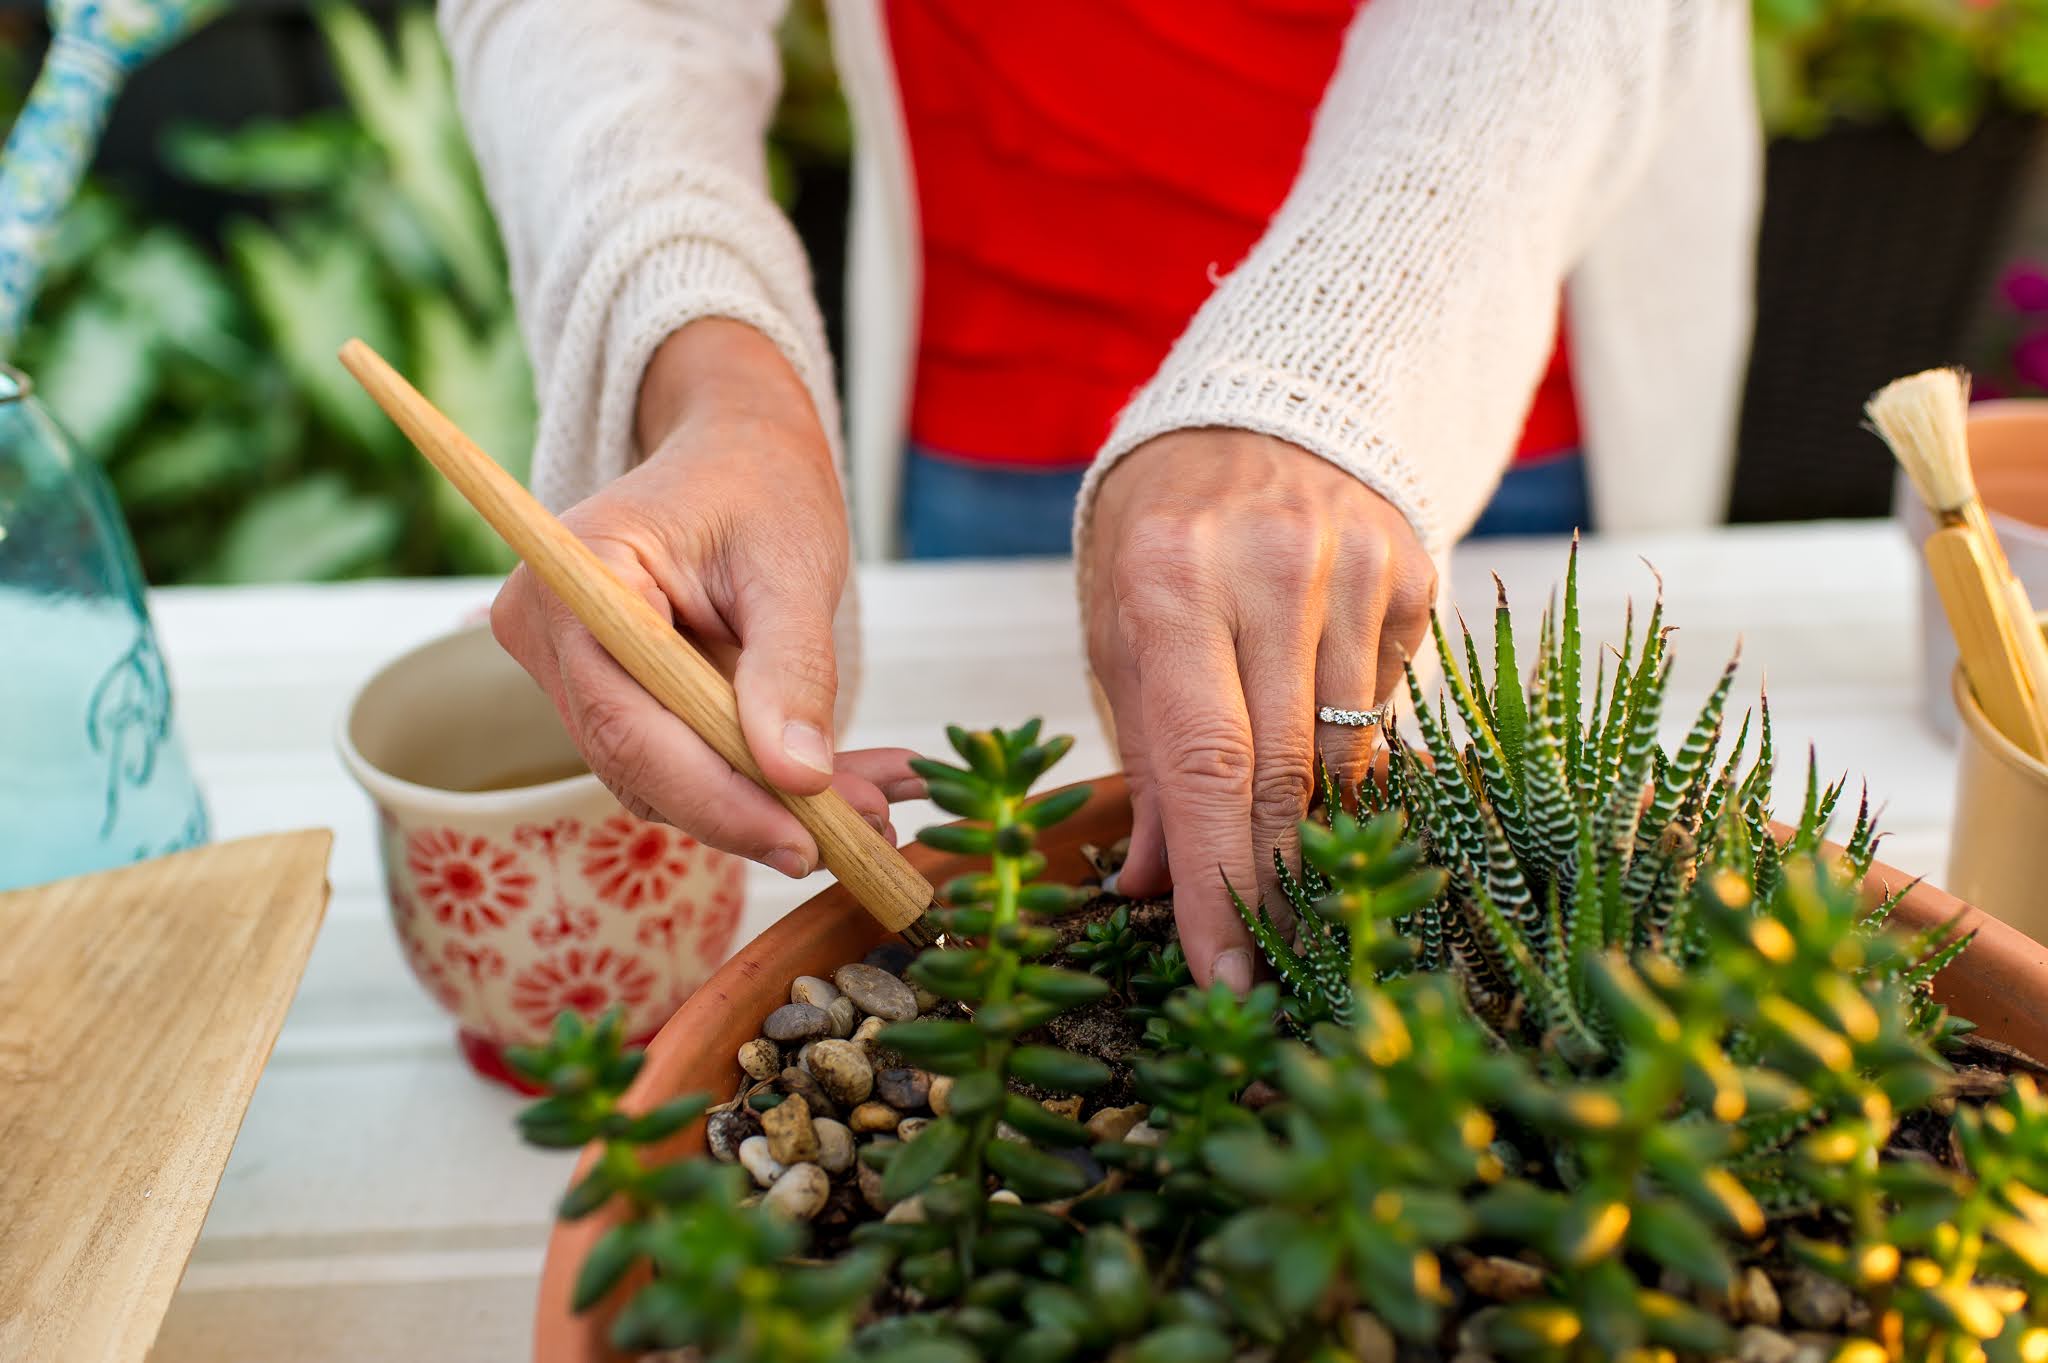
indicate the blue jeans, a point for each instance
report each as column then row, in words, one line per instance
column 956, row 509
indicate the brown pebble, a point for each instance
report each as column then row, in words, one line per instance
column 878, row 993
column 800, row 1083
column 1068, row 1107
column 911, row 1127
column 869, row 1032
column 761, row 1058
column 1762, row 1344
column 1814, row 1301
column 795, row 1022
column 842, row 1069
column 787, row 1125
column 1499, row 1278
column 1756, row 1300
column 874, row 1117
column 939, row 1098
column 1368, row 1338
column 1114, row 1123
column 870, row 1182
column 903, row 1089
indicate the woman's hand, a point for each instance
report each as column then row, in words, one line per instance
column 734, row 528
column 1236, row 583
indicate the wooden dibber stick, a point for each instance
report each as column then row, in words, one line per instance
column 647, row 646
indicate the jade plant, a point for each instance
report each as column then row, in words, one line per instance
column 1555, row 998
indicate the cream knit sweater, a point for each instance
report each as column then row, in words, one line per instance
column 1470, row 157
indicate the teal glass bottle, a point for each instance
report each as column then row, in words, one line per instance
column 92, row 774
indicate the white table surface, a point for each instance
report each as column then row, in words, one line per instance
column 378, row 1204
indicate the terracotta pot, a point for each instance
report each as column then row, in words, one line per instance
column 2000, row 983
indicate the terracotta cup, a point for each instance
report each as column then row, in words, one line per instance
column 2009, row 458
column 1998, row 858
column 518, row 885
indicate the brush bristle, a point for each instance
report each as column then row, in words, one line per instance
column 1923, row 418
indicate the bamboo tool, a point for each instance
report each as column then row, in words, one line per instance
column 1924, row 419
column 647, row 646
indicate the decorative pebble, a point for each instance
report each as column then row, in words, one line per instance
column 1006, row 1132
column 799, row 1083
column 1005, row 1196
column 1144, row 1133
column 795, row 1022
column 842, row 1070
column 1114, row 1123
column 810, row 989
column 835, row 1145
column 908, row 1212
column 869, row 1032
column 909, row 1128
column 1068, row 1107
column 893, row 957
column 1815, row 1346
column 1756, row 1300
column 1816, row 1302
column 1761, row 1344
column 1368, row 1338
column 941, row 1094
column 756, row 1159
column 903, row 1089
column 724, row 1132
column 791, row 1137
column 800, row 1193
column 1499, row 1278
column 873, row 1117
column 841, row 1017
column 877, row 992
column 924, row 998
column 761, row 1058
column 870, row 1181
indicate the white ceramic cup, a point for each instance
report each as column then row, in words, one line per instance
column 2009, row 459
column 518, row 885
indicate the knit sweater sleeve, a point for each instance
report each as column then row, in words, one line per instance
column 622, row 143
column 1396, row 315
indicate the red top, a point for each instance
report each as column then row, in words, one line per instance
column 1086, row 171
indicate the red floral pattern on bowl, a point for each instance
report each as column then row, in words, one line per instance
column 513, row 904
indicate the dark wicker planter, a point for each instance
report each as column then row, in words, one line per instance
column 1875, row 252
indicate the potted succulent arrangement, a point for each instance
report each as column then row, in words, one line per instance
column 1572, row 1054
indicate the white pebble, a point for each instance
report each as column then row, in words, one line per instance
column 841, row 1015
column 812, row 990
column 868, row 1031
column 911, row 1127
column 910, row 1211
column 1005, row 1196
column 755, row 1158
column 1144, row 1133
column 800, row 1193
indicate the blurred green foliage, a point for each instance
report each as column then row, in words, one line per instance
column 201, row 373
column 1939, row 66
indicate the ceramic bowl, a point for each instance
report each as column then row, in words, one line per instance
column 518, row 885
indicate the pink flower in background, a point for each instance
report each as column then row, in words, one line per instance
column 2030, row 360
column 2025, row 287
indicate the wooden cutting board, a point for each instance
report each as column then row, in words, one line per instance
column 137, row 1008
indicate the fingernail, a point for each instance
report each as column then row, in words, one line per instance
column 804, row 743
column 876, row 822
column 909, row 788
column 1234, row 968
column 788, row 861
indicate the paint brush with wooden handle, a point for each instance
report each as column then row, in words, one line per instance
column 1924, row 419
column 648, row 647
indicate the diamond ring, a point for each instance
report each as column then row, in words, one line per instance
column 1355, row 719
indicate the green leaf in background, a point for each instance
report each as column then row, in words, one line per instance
column 406, row 102
column 306, row 532
column 480, row 381
column 162, row 277
column 269, row 156
column 312, row 294
column 95, row 373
